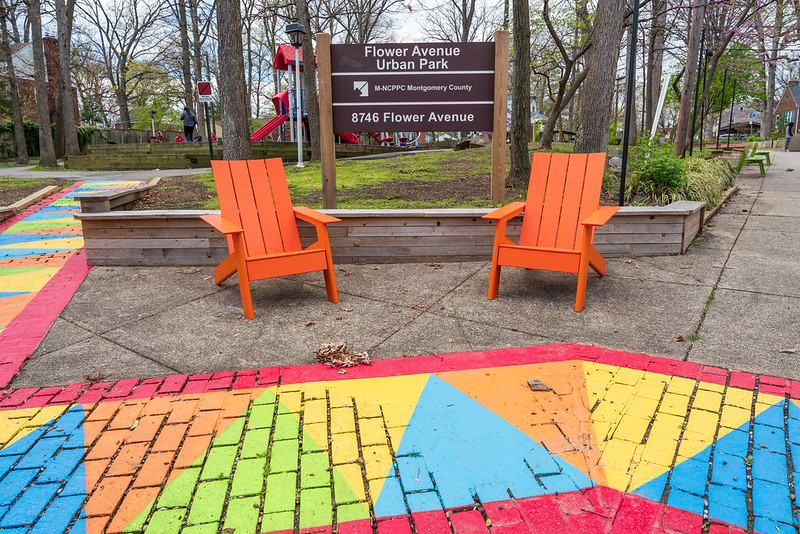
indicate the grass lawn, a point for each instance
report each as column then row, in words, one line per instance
column 14, row 189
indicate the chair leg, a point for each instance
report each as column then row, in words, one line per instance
column 494, row 278
column 761, row 168
column 244, row 278
column 225, row 269
column 583, row 275
column 330, row 279
column 597, row 262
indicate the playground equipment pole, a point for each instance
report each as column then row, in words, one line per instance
column 296, row 31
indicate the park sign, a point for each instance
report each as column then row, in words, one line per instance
column 412, row 87
column 204, row 92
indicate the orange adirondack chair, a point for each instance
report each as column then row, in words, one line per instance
column 561, row 214
column 259, row 221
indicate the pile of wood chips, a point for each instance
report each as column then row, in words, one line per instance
column 336, row 355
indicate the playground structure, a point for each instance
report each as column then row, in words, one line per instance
column 286, row 111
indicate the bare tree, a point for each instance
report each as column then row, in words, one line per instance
column 47, row 154
column 178, row 8
column 365, row 21
column 13, row 89
column 64, row 16
column 201, row 17
column 692, row 54
column 310, row 80
column 601, row 72
column 124, row 32
column 655, row 59
column 235, row 103
column 461, row 21
column 520, row 170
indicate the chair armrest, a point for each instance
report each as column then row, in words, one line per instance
column 506, row 212
column 313, row 216
column 223, row 225
column 601, row 216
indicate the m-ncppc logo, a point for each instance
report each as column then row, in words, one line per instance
column 361, row 88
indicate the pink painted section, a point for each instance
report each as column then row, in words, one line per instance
column 24, row 333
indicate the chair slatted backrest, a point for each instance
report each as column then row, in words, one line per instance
column 255, row 195
column 564, row 189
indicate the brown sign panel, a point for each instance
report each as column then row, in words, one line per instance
column 412, row 118
column 412, row 87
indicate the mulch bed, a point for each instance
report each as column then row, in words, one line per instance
column 9, row 195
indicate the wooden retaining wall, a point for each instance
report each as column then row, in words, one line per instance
column 374, row 236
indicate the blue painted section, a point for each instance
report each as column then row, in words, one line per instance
column 772, row 501
column 769, row 437
column 391, row 499
column 4, row 294
column 727, row 504
column 767, row 526
column 44, row 467
column 686, row 501
column 414, row 474
column 46, row 216
column 30, row 504
column 13, row 239
column 423, row 502
column 9, row 253
column 474, row 448
column 735, row 442
column 59, row 515
column 729, row 470
column 654, row 489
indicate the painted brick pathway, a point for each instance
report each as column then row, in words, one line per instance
column 41, row 267
column 454, row 443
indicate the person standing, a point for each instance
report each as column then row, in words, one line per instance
column 189, row 122
column 789, row 135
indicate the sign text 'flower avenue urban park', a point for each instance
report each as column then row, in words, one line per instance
column 412, row 87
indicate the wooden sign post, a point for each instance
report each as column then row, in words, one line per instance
column 326, row 142
column 499, row 127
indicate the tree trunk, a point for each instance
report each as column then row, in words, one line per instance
column 186, row 56
column 655, row 60
column 64, row 12
column 633, row 134
column 235, row 130
column 766, row 116
column 601, row 73
column 310, row 80
column 684, row 128
column 47, row 154
column 520, row 171
column 563, row 96
column 16, row 110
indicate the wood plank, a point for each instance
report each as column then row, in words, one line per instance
column 326, row 142
column 498, row 174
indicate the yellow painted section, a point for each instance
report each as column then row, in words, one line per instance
column 397, row 396
column 62, row 243
column 31, row 281
column 16, row 424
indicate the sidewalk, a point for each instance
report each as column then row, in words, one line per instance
column 97, row 440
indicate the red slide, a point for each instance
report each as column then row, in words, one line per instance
column 281, row 102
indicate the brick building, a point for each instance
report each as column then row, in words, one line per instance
column 788, row 107
column 22, row 57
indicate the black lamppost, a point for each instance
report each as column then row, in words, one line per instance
column 295, row 30
column 153, row 121
column 629, row 101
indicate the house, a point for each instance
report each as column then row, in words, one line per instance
column 22, row 58
column 788, row 107
column 745, row 121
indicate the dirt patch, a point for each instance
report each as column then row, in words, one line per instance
column 12, row 193
column 176, row 193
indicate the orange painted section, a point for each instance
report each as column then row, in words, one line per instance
column 11, row 306
column 558, row 225
column 559, row 419
column 54, row 259
column 260, row 223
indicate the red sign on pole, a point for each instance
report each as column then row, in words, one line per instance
column 204, row 92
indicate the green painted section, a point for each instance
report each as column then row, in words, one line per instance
column 137, row 525
column 315, row 507
column 314, row 471
column 277, row 521
column 283, row 456
column 280, row 493
column 179, row 491
column 249, row 477
column 242, row 515
column 351, row 512
column 286, row 427
column 18, row 270
column 219, row 463
column 206, row 528
column 232, row 434
column 23, row 226
column 255, row 443
column 342, row 490
column 261, row 416
column 167, row 521
column 208, row 502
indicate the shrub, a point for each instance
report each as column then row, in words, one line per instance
column 707, row 180
column 656, row 173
